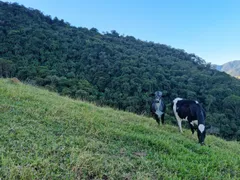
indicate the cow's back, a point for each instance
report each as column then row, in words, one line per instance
column 185, row 108
column 189, row 109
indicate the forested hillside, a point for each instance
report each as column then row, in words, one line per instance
column 111, row 69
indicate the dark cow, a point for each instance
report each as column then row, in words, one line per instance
column 191, row 111
column 158, row 107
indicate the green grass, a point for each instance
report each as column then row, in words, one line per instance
column 46, row 136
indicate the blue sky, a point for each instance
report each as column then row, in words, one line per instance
column 207, row 28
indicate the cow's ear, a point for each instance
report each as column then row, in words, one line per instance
column 152, row 94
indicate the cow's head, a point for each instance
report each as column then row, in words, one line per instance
column 157, row 95
column 201, row 132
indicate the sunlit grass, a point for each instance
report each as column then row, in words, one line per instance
column 46, row 136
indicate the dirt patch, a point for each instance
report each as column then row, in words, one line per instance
column 15, row 80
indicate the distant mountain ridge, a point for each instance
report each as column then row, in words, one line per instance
column 232, row 68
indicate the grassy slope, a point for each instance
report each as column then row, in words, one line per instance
column 43, row 135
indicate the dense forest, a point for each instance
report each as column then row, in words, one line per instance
column 111, row 69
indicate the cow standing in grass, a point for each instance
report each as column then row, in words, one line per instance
column 158, row 107
column 191, row 111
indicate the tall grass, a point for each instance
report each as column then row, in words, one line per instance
column 46, row 136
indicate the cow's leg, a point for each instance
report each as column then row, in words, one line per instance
column 157, row 118
column 192, row 128
column 162, row 118
column 180, row 125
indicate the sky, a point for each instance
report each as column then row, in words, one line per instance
column 207, row 28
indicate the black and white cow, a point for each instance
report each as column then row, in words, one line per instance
column 193, row 112
column 158, row 107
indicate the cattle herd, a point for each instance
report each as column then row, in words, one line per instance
column 184, row 110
